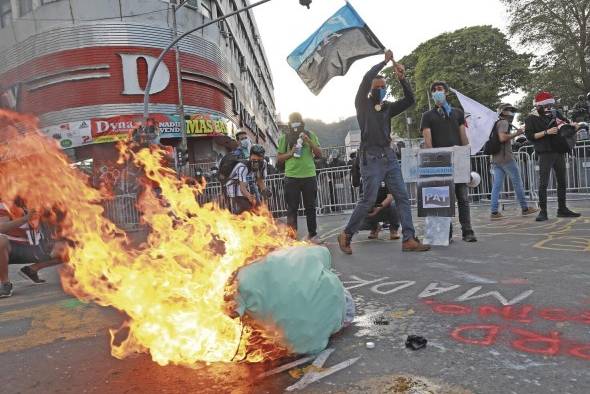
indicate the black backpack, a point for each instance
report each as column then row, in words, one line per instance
column 493, row 145
column 227, row 165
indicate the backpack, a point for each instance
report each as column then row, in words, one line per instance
column 227, row 165
column 493, row 144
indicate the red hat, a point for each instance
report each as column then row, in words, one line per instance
column 543, row 98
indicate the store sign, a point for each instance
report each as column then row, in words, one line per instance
column 71, row 134
column 131, row 74
column 120, row 128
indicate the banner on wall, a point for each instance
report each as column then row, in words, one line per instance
column 119, row 128
column 71, row 134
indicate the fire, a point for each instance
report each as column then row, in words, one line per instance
column 174, row 287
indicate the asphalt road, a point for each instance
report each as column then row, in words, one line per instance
column 508, row 314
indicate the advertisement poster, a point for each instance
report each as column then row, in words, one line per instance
column 198, row 125
column 71, row 134
column 436, row 197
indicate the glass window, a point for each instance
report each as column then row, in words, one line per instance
column 206, row 8
column 24, row 7
column 5, row 13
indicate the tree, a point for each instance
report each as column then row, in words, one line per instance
column 560, row 29
column 477, row 61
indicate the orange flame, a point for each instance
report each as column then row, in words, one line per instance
column 173, row 288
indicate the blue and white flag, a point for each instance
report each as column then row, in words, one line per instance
column 332, row 49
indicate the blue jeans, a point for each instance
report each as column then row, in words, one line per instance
column 500, row 171
column 375, row 169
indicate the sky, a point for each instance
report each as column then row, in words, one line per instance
column 400, row 25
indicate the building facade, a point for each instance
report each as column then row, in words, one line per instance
column 81, row 66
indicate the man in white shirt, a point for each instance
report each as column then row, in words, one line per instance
column 241, row 198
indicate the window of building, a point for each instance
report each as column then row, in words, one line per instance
column 5, row 13
column 206, row 8
column 43, row 2
column 24, row 7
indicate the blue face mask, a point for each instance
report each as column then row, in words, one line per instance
column 378, row 95
column 439, row 97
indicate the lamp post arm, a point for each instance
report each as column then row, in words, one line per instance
column 146, row 95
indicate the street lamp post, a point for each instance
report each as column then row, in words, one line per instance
column 183, row 143
column 146, row 96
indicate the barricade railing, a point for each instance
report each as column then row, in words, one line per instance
column 122, row 211
column 336, row 193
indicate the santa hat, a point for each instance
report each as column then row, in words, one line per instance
column 543, row 98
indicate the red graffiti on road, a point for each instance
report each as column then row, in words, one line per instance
column 526, row 341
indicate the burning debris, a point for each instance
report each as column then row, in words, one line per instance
column 174, row 287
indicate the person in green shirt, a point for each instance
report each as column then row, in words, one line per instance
column 297, row 149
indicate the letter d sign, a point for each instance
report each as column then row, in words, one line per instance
column 131, row 77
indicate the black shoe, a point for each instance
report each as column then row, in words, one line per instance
column 28, row 273
column 5, row 289
column 469, row 237
column 566, row 213
column 542, row 216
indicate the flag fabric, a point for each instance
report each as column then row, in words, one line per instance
column 479, row 121
column 331, row 50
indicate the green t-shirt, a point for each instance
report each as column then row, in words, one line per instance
column 299, row 167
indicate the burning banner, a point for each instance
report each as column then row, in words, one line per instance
column 177, row 289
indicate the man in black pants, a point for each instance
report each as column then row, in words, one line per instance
column 444, row 126
column 297, row 149
column 541, row 128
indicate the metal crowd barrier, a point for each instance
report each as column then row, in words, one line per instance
column 336, row 193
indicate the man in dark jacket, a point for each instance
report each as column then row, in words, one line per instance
column 378, row 161
column 542, row 129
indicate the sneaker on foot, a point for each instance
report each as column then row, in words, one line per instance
column 414, row 245
column 344, row 242
column 469, row 237
column 5, row 289
column 394, row 234
column 496, row 216
column 314, row 239
column 529, row 211
column 542, row 216
column 28, row 273
column 374, row 234
column 566, row 213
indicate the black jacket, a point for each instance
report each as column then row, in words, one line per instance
column 376, row 125
column 534, row 124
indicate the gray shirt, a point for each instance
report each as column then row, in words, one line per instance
column 505, row 154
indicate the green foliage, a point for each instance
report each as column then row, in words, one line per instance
column 560, row 30
column 477, row 61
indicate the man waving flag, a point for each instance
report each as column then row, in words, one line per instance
column 332, row 49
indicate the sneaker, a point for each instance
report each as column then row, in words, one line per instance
column 566, row 213
column 374, row 234
column 28, row 273
column 344, row 242
column 5, row 289
column 394, row 234
column 529, row 211
column 496, row 216
column 414, row 245
column 314, row 240
column 469, row 237
column 542, row 216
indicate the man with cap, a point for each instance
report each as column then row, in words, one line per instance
column 542, row 129
column 244, row 144
column 297, row 149
column 503, row 162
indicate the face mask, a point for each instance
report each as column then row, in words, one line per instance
column 439, row 97
column 245, row 143
column 378, row 95
column 509, row 116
